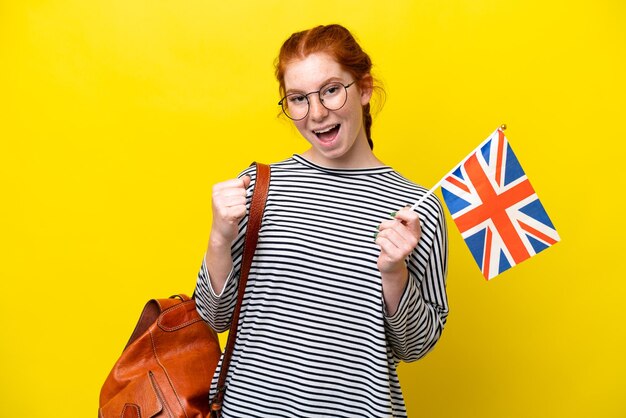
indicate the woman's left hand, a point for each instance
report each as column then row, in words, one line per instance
column 397, row 238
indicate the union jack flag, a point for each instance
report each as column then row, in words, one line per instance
column 496, row 209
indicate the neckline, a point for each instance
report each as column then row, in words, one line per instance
column 343, row 171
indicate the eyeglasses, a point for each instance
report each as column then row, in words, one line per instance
column 332, row 96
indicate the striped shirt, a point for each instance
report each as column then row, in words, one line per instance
column 314, row 339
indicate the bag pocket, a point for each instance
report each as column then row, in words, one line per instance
column 142, row 398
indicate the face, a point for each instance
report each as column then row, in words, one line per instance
column 337, row 137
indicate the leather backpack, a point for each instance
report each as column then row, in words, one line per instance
column 168, row 364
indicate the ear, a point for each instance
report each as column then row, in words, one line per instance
column 366, row 85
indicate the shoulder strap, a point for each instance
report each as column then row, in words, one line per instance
column 257, row 207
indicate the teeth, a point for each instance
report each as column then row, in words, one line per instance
column 326, row 130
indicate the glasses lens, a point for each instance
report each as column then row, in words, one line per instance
column 334, row 96
column 295, row 106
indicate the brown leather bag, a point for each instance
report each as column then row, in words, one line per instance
column 167, row 365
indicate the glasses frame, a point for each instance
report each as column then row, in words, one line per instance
column 308, row 102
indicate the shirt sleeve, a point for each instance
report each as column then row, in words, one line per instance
column 416, row 326
column 217, row 307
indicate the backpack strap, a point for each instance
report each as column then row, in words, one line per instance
column 257, row 208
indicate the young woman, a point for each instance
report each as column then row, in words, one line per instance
column 346, row 281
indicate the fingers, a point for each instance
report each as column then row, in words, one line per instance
column 231, row 188
column 408, row 217
column 238, row 183
column 398, row 236
column 405, row 221
column 396, row 241
column 229, row 207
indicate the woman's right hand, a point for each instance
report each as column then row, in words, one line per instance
column 229, row 207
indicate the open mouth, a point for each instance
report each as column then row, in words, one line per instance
column 327, row 134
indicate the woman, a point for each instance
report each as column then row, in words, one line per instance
column 345, row 282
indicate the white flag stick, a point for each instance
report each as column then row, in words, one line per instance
column 428, row 193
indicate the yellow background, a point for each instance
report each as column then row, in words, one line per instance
column 117, row 116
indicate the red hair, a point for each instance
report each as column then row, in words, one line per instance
column 338, row 42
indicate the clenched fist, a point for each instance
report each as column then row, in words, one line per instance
column 229, row 207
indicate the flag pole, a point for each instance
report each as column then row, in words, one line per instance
column 428, row 193
column 436, row 186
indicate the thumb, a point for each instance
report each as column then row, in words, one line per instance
column 407, row 216
column 246, row 181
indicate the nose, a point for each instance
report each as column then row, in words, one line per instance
column 317, row 111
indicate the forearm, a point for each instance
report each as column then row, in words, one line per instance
column 397, row 238
column 415, row 324
column 394, row 284
column 219, row 262
column 229, row 205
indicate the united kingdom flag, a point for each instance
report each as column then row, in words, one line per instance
column 496, row 209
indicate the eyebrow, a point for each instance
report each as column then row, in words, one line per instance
column 325, row 82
